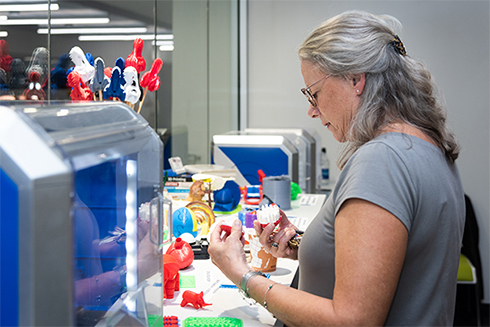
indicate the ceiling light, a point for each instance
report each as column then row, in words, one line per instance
column 4, row 33
column 166, row 48
column 93, row 30
column 29, row 7
column 54, row 21
column 124, row 37
column 169, row 42
column 165, row 36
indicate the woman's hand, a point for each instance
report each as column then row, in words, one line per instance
column 270, row 238
column 227, row 253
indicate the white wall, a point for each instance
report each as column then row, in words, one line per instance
column 452, row 37
column 204, row 83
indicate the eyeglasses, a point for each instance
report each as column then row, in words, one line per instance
column 307, row 92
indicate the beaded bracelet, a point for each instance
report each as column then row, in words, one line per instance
column 265, row 296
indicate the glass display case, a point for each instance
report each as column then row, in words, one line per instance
column 73, row 249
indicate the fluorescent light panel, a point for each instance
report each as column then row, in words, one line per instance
column 166, row 48
column 101, row 30
column 29, row 7
column 54, row 21
column 159, row 43
column 124, row 37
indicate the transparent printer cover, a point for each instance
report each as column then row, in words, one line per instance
column 116, row 161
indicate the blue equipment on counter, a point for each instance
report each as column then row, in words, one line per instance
column 273, row 154
column 308, row 153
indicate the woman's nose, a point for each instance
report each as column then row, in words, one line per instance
column 313, row 112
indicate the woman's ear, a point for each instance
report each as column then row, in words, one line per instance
column 358, row 83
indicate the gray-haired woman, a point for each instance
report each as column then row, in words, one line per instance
column 384, row 250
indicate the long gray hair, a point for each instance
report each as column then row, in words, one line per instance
column 397, row 88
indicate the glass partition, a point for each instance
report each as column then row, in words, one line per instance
column 43, row 41
column 53, row 53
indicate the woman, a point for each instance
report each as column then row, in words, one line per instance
column 384, row 250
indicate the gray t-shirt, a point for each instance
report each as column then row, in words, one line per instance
column 412, row 179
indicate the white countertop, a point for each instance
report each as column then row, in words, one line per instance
column 228, row 302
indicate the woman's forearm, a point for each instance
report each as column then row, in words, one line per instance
column 291, row 306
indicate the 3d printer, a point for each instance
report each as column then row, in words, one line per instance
column 72, row 177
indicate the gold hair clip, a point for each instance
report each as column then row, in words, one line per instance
column 398, row 44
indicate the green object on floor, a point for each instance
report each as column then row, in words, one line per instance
column 212, row 322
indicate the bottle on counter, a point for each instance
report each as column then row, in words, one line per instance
column 325, row 169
